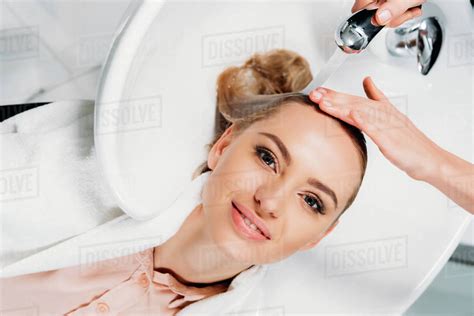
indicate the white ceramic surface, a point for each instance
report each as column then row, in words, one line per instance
column 397, row 235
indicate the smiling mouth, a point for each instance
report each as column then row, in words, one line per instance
column 249, row 223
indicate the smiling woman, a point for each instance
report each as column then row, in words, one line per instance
column 281, row 173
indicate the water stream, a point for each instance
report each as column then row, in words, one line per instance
column 334, row 62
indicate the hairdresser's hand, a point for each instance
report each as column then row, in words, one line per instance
column 392, row 13
column 395, row 135
column 400, row 141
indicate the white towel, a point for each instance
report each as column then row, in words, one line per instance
column 50, row 184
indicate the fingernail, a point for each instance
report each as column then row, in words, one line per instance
column 384, row 16
column 317, row 95
column 327, row 103
column 321, row 90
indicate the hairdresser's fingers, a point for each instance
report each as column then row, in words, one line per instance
column 397, row 138
column 377, row 115
column 335, row 97
column 385, row 126
column 372, row 91
column 410, row 14
column 386, row 139
column 392, row 9
column 401, row 142
column 330, row 102
column 340, row 105
column 360, row 121
column 359, row 4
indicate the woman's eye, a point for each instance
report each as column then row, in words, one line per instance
column 266, row 156
column 315, row 204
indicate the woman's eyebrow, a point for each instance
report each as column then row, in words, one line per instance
column 287, row 156
column 281, row 146
column 319, row 185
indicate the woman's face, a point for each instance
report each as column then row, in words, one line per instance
column 288, row 197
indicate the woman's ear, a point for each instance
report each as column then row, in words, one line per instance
column 219, row 147
column 314, row 243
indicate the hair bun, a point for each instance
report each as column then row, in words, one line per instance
column 272, row 72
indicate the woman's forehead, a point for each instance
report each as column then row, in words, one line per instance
column 304, row 126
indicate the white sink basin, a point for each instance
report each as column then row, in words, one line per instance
column 399, row 232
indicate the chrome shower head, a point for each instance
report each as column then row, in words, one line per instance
column 355, row 34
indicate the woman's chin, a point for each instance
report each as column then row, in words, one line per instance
column 233, row 246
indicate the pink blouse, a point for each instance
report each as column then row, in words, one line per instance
column 127, row 285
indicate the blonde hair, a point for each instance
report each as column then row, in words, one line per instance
column 258, row 89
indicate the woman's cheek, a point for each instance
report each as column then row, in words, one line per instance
column 303, row 229
column 244, row 172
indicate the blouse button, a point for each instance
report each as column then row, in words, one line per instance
column 143, row 280
column 102, row 307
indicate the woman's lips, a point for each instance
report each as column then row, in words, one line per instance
column 242, row 228
column 250, row 214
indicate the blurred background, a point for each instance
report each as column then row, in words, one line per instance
column 54, row 50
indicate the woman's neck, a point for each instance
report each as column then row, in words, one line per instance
column 192, row 256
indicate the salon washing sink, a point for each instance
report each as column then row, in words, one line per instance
column 399, row 232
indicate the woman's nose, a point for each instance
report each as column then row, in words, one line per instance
column 271, row 198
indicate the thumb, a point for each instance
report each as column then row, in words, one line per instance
column 391, row 9
column 372, row 91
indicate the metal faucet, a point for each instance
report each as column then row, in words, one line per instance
column 422, row 38
column 355, row 34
